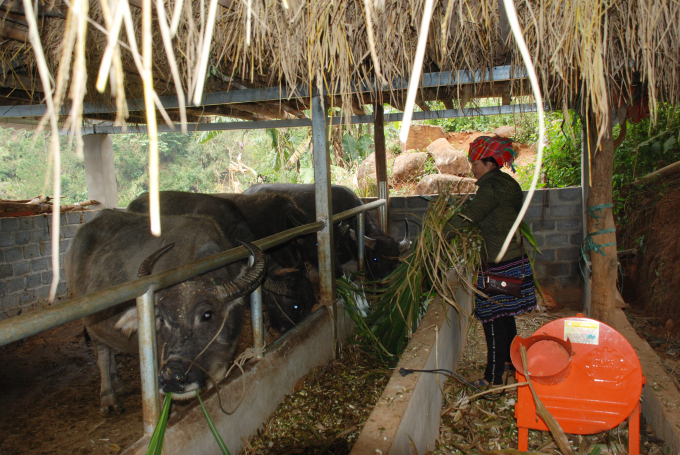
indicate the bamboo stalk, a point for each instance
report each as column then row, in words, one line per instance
column 41, row 207
column 669, row 170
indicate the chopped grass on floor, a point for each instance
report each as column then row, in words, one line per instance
column 327, row 409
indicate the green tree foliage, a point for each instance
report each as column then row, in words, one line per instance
column 201, row 163
column 24, row 164
column 356, row 150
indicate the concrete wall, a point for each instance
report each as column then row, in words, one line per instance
column 555, row 219
column 26, row 259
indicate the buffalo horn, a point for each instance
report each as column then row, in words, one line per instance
column 368, row 242
column 343, row 227
column 148, row 263
column 246, row 284
column 405, row 244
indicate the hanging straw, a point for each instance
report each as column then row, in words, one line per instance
column 34, row 37
column 417, row 70
column 517, row 32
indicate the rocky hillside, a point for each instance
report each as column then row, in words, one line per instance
column 433, row 158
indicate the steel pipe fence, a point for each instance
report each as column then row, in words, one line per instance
column 142, row 290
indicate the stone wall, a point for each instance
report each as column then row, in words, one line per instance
column 26, row 259
column 555, row 219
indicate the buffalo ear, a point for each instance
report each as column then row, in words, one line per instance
column 369, row 242
column 128, row 323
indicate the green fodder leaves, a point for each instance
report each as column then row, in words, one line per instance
column 156, row 444
column 400, row 300
column 218, row 438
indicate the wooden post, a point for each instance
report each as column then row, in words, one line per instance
column 380, row 158
column 603, row 288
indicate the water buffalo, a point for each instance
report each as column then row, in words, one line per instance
column 267, row 214
column 114, row 248
column 288, row 293
column 382, row 251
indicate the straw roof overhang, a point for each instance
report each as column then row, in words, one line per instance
column 587, row 52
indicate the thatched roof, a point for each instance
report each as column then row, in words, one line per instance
column 586, row 51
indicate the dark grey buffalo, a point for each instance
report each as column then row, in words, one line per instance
column 288, row 293
column 382, row 251
column 270, row 213
column 114, row 248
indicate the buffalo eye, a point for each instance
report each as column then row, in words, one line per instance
column 160, row 318
column 207, row 315
column 375, row 259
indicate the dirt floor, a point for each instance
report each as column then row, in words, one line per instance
column 49, row 390
column 49, row 394
column 488, row 426
column 651, row 279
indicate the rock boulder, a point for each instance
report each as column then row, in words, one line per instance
column 430, row 184
column 408, row 166
column 420, row 136
column 366, row 171
column 449, row 160
column 506, row 131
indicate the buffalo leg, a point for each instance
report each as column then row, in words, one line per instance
column 108, row 396
column 118, row 385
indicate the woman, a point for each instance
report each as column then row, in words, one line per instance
column 494, row 209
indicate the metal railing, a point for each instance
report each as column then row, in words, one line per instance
column 142, row 290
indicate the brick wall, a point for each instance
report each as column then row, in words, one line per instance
column 26, row 259
column 555, row 219
column 554, row 216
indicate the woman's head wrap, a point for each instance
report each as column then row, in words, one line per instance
column 498, row 148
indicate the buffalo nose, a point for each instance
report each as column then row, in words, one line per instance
column 173, row 377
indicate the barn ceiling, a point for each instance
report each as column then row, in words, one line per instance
column 586, row 52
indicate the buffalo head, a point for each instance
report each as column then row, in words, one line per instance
column 198, row 324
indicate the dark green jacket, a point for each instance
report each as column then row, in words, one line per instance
column 494, row 209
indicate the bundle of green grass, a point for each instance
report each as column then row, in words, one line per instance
column 387, row 313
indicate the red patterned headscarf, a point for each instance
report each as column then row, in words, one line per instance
column 499, row 148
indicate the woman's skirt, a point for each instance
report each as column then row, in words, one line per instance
column 506, row 305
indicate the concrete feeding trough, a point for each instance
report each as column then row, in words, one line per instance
column 416, row 398
column 408, row 412
column 259, row 390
